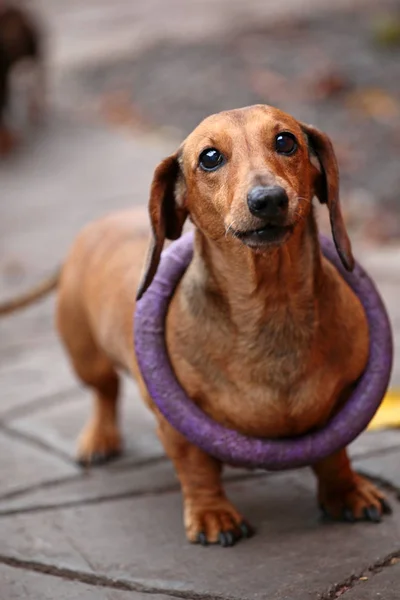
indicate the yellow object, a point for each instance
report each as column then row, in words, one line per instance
column 388, row 414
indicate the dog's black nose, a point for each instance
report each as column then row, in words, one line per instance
column 267, row 202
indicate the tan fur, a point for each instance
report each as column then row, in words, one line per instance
column 268, row 341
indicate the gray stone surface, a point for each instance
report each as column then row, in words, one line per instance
column 59, row 425
column 75, row 173
column 28, row 328
column 385, row 466
column 112, row 482
column 93, row 486
column 22, row 465
column 130, row 26
column 18, row 584
column 389, row 291
column 33, row 372
column 375, row 442
column 384, row 585
column 142, row 539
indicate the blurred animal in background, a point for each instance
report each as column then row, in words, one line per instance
column 20, row 41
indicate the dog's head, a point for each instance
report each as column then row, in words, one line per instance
column 247, row 175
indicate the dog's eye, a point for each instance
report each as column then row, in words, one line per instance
column 210, row 159
column 285, row 143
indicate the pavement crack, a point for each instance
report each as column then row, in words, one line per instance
column 340, row 589
column 38, row 443
column 173, row 488
column 136, row 464
column 37, row 404
column 43, row 485
column 358, row 456
column 104, row 581
column 103, row 498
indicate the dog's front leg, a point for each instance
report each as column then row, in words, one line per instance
column 343, row 494
column 209, row 516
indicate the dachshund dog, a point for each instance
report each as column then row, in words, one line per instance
column 257, row 326
column 20, row 39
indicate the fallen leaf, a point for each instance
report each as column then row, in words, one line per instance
column 375, row 103
column 388, row 415
column 386, row 30
column 329, row 84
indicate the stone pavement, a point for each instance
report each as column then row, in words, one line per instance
column 116, row 532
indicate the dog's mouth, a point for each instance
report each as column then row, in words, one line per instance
column 265, row 236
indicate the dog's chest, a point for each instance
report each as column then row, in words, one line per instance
column 276, row 404
column 265, row 382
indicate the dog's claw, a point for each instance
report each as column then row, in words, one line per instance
column 202, row 539
column 98, row 458
column 226, row 539
column 371, row 513
column 246, row 530
column 386, row 508
column 348, row 516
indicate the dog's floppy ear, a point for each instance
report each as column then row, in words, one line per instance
column 327, row 190
column 167, row 214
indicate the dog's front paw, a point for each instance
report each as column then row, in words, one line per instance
column 98, row 444
column 360, row 500
column 215, row 523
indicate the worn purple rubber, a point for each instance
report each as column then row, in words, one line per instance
column 228, row 445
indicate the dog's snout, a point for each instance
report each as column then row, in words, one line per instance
column 267, row 202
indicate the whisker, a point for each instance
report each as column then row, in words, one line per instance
column 230, row 228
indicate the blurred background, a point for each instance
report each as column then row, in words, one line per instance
column 127, row 80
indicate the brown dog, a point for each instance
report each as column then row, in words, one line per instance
column 20, row 39
column 257, row 326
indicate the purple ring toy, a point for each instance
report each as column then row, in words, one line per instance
column 228, row 445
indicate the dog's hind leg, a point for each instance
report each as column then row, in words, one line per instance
column 100, row 439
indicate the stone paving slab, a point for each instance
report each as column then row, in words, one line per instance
column 22, row 465
column 390, row 291
column 94, row 486
column 382, row 466
column 17, row 584
column 376, row 453
column 375, row 443
column 32, row 373
column 142, row 540
column 58, row 426
column 66, row 176
column 28, row 328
